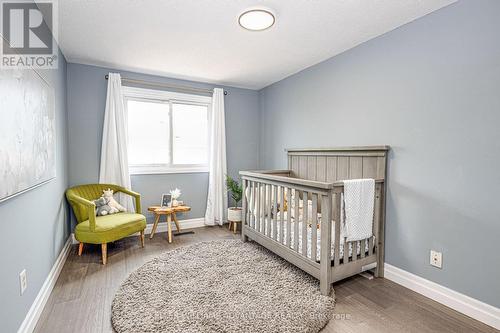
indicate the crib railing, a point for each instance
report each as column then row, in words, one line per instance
column 264, row 220
column 267, row 209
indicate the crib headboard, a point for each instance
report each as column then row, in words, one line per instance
column 333, row 164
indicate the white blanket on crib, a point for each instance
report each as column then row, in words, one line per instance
column 358, row 202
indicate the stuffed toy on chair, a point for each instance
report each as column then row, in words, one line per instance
column 102, row 207
column 108, row 194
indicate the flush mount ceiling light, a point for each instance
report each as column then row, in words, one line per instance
column 256, row 19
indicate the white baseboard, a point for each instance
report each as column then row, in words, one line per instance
column 185, row 224
column 29, row 323
column 162, row 227
column 469, row 306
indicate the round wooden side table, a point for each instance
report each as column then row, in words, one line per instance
column 170, row 212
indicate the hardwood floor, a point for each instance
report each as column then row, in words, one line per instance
column 81, row 299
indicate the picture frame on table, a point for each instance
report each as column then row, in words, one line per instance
column 166, row 200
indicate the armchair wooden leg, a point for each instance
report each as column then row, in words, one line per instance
column 80, row 248
column 141, row 238
column 104, row 250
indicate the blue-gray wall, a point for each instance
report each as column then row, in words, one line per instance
column 431, row 90
column 86, row 102
column 35, row 224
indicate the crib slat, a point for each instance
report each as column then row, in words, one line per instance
column 346, row 251
column 289, row 218
column 314, row 227
column 244, row 204
column 326, row 244
column 370, row 246
column 269, row 207
column 362, row 248
column 249, row 206
column 305, row 221
column 253, row 204
column 257, row 208
column 274, row 191
column 296, row 220
column 267, row 230
column 336, row 218
column 282, row 214
column 264, row 207
column 354, row 250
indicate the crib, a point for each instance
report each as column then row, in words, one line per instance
column 294, row 212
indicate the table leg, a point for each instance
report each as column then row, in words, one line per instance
column 155, row 225
column 169, row 221
column 235, row 226
column 176, row 222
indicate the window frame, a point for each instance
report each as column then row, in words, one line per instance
column 166, row 97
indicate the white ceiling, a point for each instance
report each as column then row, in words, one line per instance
column 201, row 40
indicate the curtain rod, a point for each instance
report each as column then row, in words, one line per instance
column 167, row 85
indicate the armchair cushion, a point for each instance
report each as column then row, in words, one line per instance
column 110, row 228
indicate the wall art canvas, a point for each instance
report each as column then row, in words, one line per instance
column 27, row 132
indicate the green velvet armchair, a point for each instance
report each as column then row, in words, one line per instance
column 94, row 229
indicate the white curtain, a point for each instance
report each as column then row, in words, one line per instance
column 114, row 158
column 217, row 194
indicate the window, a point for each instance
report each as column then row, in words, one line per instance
column 167, row 132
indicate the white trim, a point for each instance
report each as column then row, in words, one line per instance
column 185, row 224
column 31, row 319
column 168, row 98
column 469, row 306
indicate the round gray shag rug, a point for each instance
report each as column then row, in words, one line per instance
column 220, row 286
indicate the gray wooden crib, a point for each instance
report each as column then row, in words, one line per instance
column 293, row 212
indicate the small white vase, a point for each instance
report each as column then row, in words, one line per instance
column 234, row 214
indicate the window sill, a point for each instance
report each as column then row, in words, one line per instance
column 159, row 171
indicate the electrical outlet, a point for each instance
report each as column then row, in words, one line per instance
column 23, row 282
column 436, row 259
